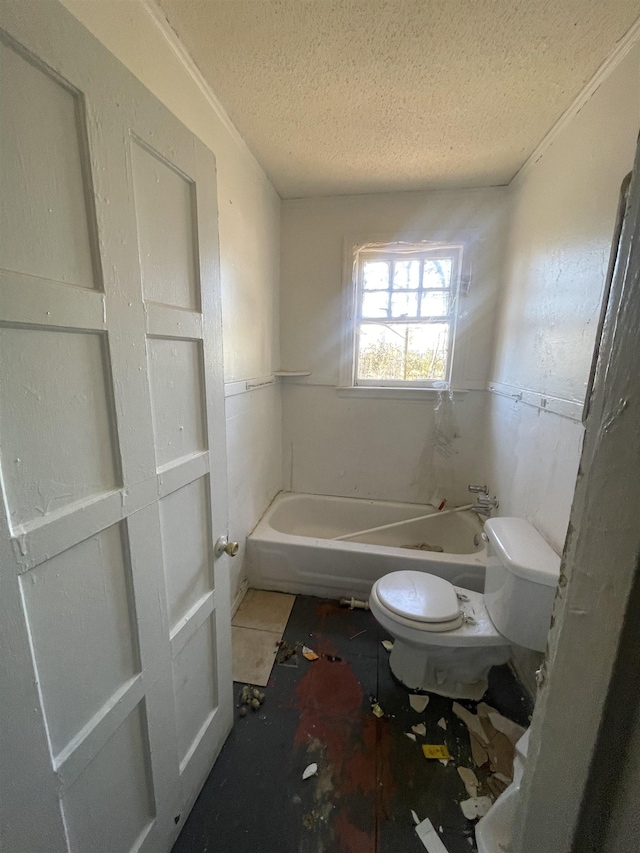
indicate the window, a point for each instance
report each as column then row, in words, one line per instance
column 405, row 314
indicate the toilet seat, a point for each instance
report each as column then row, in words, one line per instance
column 473, row 628
column 420, row 597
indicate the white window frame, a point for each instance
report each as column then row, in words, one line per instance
column 355, row 254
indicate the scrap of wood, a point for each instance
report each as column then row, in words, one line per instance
column 490, row 744
column 470, row 781
column 501, row 755
column 496, row 785
column 471, row 721
column 478, row 752
column 503, row 724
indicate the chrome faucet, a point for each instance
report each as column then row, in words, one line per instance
column 484, row 504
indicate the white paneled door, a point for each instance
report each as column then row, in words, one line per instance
column 115, row 671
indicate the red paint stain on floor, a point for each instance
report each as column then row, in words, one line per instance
column 331, row 687
column 331, row 702
column 326, row 608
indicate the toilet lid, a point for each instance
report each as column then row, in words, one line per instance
column 419, row 596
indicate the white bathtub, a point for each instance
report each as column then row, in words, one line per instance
column 292, row 549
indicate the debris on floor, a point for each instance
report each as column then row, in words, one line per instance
column 368, row 779
column 375, row 707
column 476, row 807
column 287, row 655
column 388, row 645
column 470, row 781
column 492, row 738
column 432, row 842
column 415, row 817
column 311, row 770
column 309, row 654
column 502, row 724
column 418, row 703
column 364, row 631
column 250, row 697
column 438, row 751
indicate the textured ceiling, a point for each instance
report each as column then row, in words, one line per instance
column 346, row 96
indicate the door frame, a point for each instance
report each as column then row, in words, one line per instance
column 584, row 704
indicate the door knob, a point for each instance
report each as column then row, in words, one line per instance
column 223, row 546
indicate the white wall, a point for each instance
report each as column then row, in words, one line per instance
column 249, row 224
column 562, row 216
column 359, row 446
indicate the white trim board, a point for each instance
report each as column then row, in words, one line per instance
column 626, row 43
column 571, row 409
column 243, row 386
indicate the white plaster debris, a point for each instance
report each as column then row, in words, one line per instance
column 418, row 703
column 502, row 724
column 471, row 721
column 503, row 778
column 411, row 736
column 388, row 645
column 420, row 729
column 470, row 781
column 442, row 723
column 431, row 840
column 415, row 817
column 475, row 807
column 311, row 770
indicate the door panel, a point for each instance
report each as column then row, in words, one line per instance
column 165, row 202
column 42, row 159
column 114, row 617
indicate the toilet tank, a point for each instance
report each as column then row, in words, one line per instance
column 521, row 579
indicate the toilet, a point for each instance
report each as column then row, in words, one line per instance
column 446, row 638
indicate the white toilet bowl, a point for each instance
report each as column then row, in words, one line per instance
column 451, row 656
column 448, row 638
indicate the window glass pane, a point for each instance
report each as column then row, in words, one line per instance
column 406, row 274
column 403, row 351
column 437, row 273
column 435, row 303
column 404, row 304
column 376, row 275
column 375, row 305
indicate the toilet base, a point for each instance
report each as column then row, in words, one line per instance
column 459, row 673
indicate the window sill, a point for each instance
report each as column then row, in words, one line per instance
column 389, row 393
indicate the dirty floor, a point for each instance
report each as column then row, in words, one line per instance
column 370, row 775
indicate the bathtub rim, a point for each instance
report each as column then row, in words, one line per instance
column 263, row 531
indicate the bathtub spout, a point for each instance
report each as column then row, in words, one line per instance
column 354, row 603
